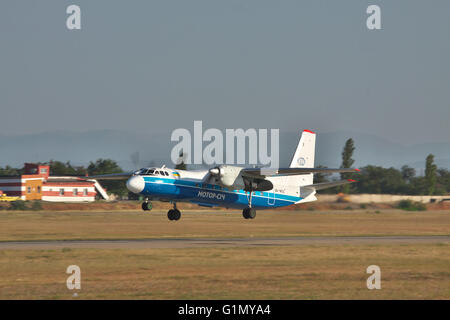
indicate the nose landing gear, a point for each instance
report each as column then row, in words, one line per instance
column 146, row 205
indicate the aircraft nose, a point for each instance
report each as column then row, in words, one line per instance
column 136, row 184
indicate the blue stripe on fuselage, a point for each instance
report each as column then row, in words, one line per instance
column 185, row 190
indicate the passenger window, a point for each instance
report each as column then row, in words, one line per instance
column 165, row 172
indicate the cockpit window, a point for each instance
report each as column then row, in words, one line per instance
column 152, row 172
column 145, row 171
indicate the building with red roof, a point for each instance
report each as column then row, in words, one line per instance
column 37, row 184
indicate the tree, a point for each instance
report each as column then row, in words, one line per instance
column 417, row 186
column 347, row 162
column 58, row 168
column 408, row 173
column 374, row 179
column 9, row 171
column 443, row 180
column 430, row 174
column 105, row 166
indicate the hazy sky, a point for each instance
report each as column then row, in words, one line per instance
column 145, row 66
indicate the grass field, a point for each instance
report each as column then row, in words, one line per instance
column 302, row 272
column 132, row 225
column 408, row 271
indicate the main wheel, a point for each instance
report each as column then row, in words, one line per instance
column 251, row 213
column 176, row 214
column 146, row 206
column 245, row 213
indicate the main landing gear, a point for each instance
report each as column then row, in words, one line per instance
column 146, row 205
column 249, row 212
column 174, row 214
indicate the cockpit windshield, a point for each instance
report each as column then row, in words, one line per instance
column 151, row 172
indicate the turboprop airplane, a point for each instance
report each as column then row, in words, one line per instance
column 232, row 186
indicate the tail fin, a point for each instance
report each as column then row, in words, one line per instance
column 304, row 155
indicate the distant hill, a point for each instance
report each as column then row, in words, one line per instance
column 80, row 148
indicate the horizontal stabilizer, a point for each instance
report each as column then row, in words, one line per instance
column 325, row 185
column 265, row 172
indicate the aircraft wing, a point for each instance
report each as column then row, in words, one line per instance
column 111, row 176
column 269, row 172
column 325, row 185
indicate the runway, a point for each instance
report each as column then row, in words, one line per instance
column 216, row 242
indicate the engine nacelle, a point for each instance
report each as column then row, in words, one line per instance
column 228, row 177
column 231, row 177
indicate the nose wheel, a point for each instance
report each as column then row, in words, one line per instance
column 146, row 206
column 174, row 214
